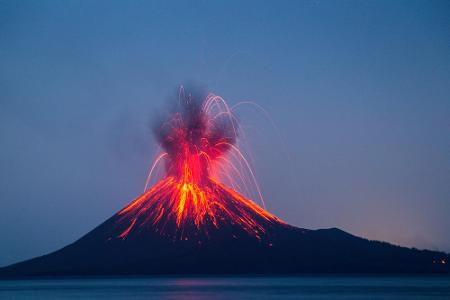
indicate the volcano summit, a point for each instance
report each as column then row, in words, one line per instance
column 195, row 220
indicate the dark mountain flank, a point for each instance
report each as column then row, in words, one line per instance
column 228, row 248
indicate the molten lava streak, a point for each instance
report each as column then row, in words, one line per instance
column 199, row 138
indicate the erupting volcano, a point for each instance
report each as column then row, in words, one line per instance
column 198, row 217
column 198, row 137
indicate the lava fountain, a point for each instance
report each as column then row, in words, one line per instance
column 204, row 170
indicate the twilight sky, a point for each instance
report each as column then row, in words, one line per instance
column 359, row 92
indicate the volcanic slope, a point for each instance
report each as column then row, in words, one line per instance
column 145, row 239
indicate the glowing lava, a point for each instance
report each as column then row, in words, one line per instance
column 199, row 138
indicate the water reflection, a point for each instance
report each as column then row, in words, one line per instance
column 218, row 288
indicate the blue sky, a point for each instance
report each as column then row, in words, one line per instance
column 359, row 92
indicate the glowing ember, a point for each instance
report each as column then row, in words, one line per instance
column 199, row 141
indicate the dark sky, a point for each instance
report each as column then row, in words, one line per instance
column 359, row 92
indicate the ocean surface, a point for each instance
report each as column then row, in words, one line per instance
column 317, row 287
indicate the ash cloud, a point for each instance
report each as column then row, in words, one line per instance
column 186, row 123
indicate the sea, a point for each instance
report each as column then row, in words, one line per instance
column 182, row 288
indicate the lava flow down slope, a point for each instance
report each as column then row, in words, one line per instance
column 195, row 219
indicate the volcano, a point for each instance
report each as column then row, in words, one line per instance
column 196, row 220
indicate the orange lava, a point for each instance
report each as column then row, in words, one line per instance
column 188, row 204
